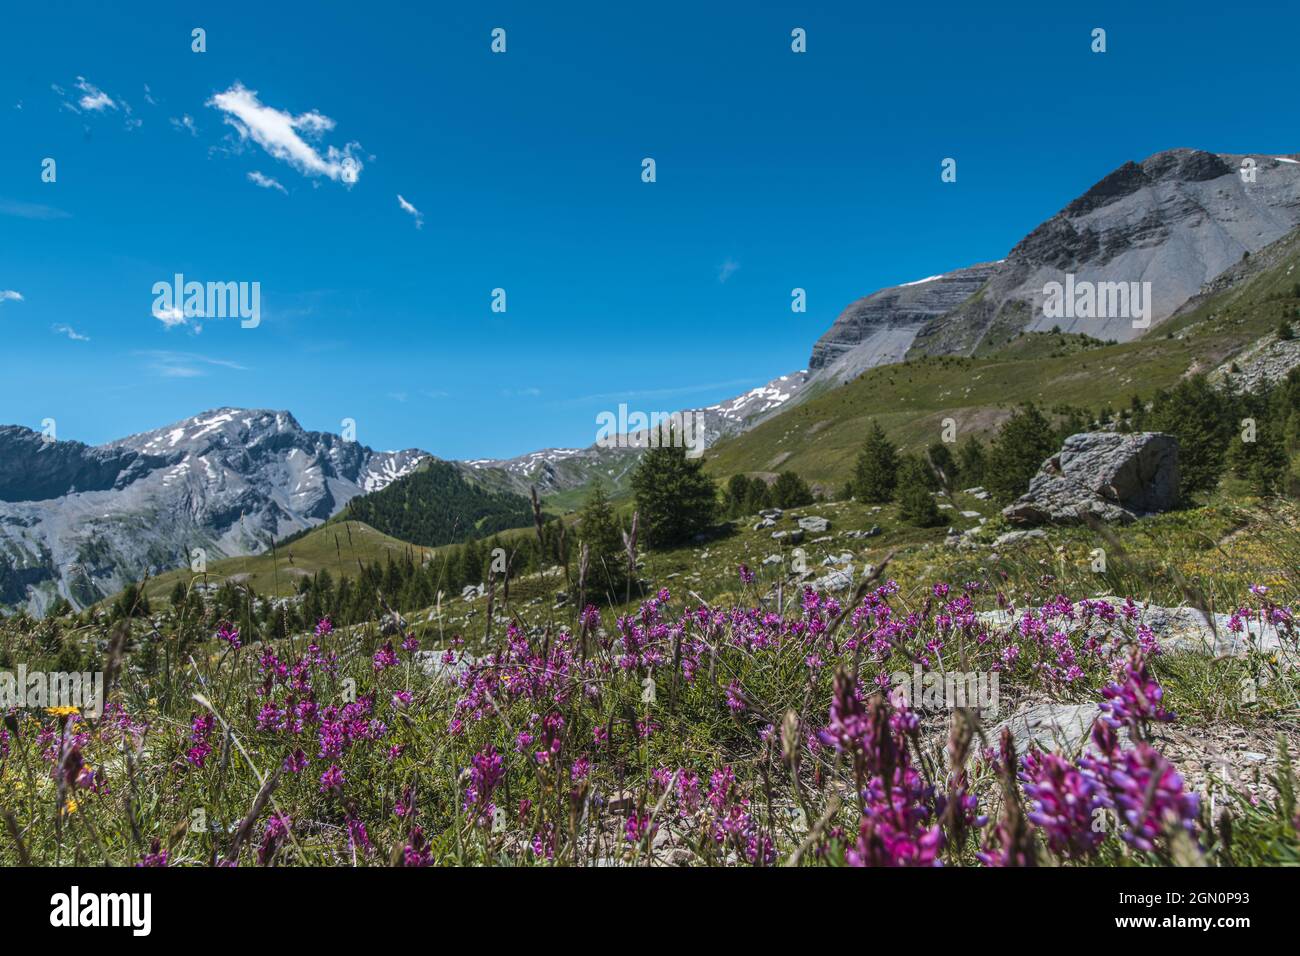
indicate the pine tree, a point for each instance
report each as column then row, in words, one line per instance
column 791, row 491
column 1203, row 420
column 674, row 496
column 943, row 463
column 876, row 473
column 1023, row 443
column 916, row 505
column 734, row 497
column 1262, row 462
column 971, row 460
column 599, row 530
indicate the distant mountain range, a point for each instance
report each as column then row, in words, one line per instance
column 81, row 522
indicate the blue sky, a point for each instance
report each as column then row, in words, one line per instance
column 775, row 170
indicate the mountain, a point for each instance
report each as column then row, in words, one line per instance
column 1176, row 220
column 1228, row 330
column 557, row 470
column 878, row 329
column 80, row 522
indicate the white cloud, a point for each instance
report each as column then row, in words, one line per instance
column 266, row 182
column 70, row 332
column 93, row 98
column 148, row 96
column 175, row 318
column 9, row 295
column 407, row 207
column 278, row 132
column 727, row 270
column 186, row 122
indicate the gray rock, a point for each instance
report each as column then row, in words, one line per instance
column 1063, row 728
column 814, row 524
column 1178, row 630
column 1012, row 537
column 840, row 579
column 831, row 560
column 1109, row 475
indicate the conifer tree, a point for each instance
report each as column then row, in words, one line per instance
column 1023, row 443
column 599, row 530
column 916, row 505
column 674, row 496
column 791, row 491
column 876, row 473
column 1203, row 421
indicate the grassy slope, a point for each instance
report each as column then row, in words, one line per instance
column 336, row 547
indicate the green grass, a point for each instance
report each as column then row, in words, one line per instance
column 336, row 547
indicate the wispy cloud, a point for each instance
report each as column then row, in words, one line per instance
column 521, row 392
column 186, row 122
column 9, row 295
column 281, row 134
column 407, row 207
column 93, row 98
column 186, row 364
column 727, row 269
column 644, row 393
column 30, row 210
column 266, row 182
column 70, row 332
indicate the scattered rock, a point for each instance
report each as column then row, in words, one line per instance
column 1011, row 537
column 838, row 580
column 1109, row 475
column 970, row 514
column 869, row 533
column 977, row 492
column 815, row 524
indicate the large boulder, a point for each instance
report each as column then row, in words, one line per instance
column 1111, row 476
